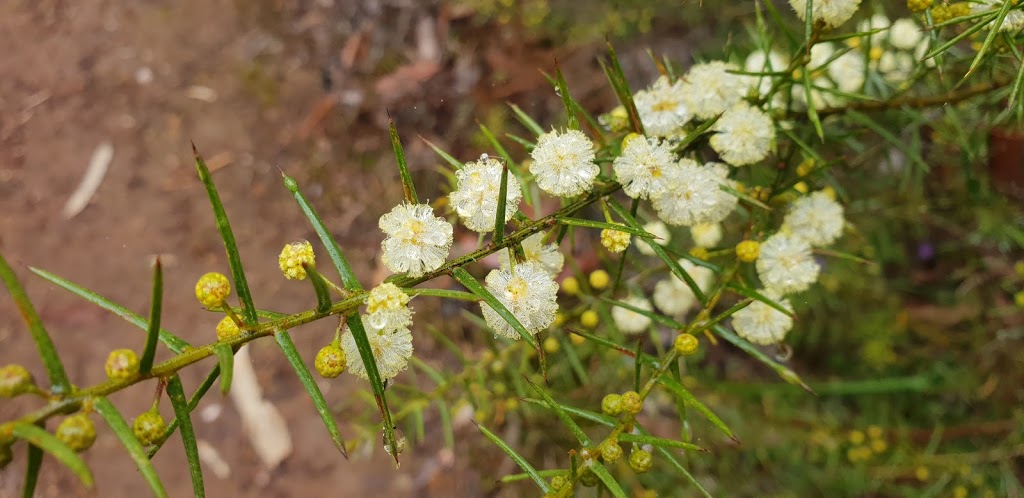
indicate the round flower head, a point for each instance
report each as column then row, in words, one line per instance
column 212, row 289
column 710, row 88
column 691, row 197
column 528, row 292
column 763, row 324
column 847, row 71
column 391, row 348
column 629, row 321
column 745, row 135
column 642, row 165
column 330, row 361
column 387, row 308
column 831, row 12
column 564, row 163
column 293, row 256
column 547, row 255
column 227, row 329
column 673, row 297
column 706, row 235
column 1014, row 20
column 896, row 67
column 77, row 432
column 815, row 218
column 905, row 34
column 476, row 198
column 661, row 107
column 148, row 428
column 760, row 61
column 615, row 240
column 15, row 380
column 877, row 21
column 417, row 241
column 726, row 201
column 785, row 264
column 122, row 364
column 660, row 230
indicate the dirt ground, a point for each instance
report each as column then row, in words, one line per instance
column 297, row 85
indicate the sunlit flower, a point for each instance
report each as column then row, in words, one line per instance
column 691, row 196
column 660, row 230
column 537, row 251
column 816, row 218
column 673, row 297
column 392, row 349
column 615, row 240
column 641, row 168
column 785, row 264
column 629, row 321
column 528, row 292
column 387, row 308
column 476, row 198
column 905, row 34
column 706, row 235
column 745, row 135
column 564, row 163
column 709, row 89
column 762, row 324
column 661, row 107
column 831, row 12
column 293, row 256
column 417, row 241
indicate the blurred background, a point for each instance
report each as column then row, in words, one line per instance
column 916, row 364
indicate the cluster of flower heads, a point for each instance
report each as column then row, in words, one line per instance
column 387, row 321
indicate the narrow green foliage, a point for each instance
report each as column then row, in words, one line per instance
column 226, row 361
column 500, row 149
column 320, row 287
column 562, row 415
column 608, row 480
column 787, row 374
column 54, row 368
column 812, row 108
column 470, row 283
column 637, row 364
column 348, row 278
column 619, row 83
column 284, row 340
column 117, row 424
column 581, row 222
column 571, row 122
column 526, row 120
column 153, row 330
column 193, row 402
column 444, row 155
column 234, row 259
column 355, row 325
column 499, row 218
column 667, row 455
column 991, row 38
column 913, row 152
column 516, row 457
column 443, row 293
column 38, row 438
column 753, row 294
column 657, row 441
column 176, row 393
column 33, row 464
column 653, row 315
column 744, row 197
column 978, row 26
column 682, row 393
column 408, row 188
column 173, row 342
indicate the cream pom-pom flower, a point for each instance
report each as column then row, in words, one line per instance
column 661, row 107
column 417, row 241
column 692, row 195
column 629, row 321
column 847, row 71
column 744, row 135
column 387, row 307
column 815, row 218
column 528, row 292
column 563, row 163
column 673, row 297
column 476, row 197
column 535, row 250
column 706, row 235
column 762, row 324
column 831, row 12
column 643, row 166
column 660, row 230
column 392, row 349
column 293, row 256
column 905, row 34
column 786, row 265
column 710, row 89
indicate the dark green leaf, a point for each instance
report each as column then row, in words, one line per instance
column 682, row 470
column 571, row 122
column 608, row 480
column 499, row 218
column 117, row 423
column 288, row 348
column 176, row 393
column 518, row 459
column 470, row 283
column 192, row 404
column 54, row 367
column 37, row 437
column 657, row 441
column 226, row 362
column 562, row 415
column 320, row 287
column 994, row 30
column 403, row 169
column 444, row 155
column 677, row 389
column 786, row 373
column 619, row 83
column 580, row 222
column 526, row 120
column 153, row 331
column 355, row 325
column 753, row 294
column 33, row 464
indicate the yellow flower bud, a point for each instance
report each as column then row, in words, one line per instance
column 227, row 329
column 589, row 319
column 640, row 461
column 330, row 361
column 631, row 403
column 148, row 428
column 77, row 432
column 686, row 344
column 576, row 339
column 212, row 289
column 700, row 253
column 856, row 437
column 122, row 364
column 600, row 279
column 15, row 380
column 615, row 240
column 570, row 286
column 293, row 256
column 748, row 251
column 551, row 345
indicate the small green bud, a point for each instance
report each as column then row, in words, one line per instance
column 148, row 428
column 15, row 380
column 631, row 403
column 227, row 329
column 612, row 405
column 330, row 361
column 122, row 364
column 558, row 482
column 640, row 461
column 687, row 344
column 611, row 452
column 77, row 432
column 212, row 289
column 293, row 256
column 589, row 479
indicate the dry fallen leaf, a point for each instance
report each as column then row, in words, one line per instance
column 262, row 422
column 94, row 174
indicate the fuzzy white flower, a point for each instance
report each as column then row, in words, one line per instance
column 848, row 71
column 820, row 96
column 763, row 324
column 785, row 264
column 905, row 34
column 391, row 348
column 877, row 21
column 726, row 202
column 760, row 61
column 528, row 292
column 535, row 250
column 641, row 168
column 417, row 241
column 658, row 229
column 896, row 67
column 815, row 218
column 691, row 197
column 476, row 198
column 1014, row 20
column 564, row 163
column 661, row 107
column 745, row 135
column 629, row 321
column 706, row 235
column 673, row 297
column 831, row 12
column 709, row 89
column 386, row 307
